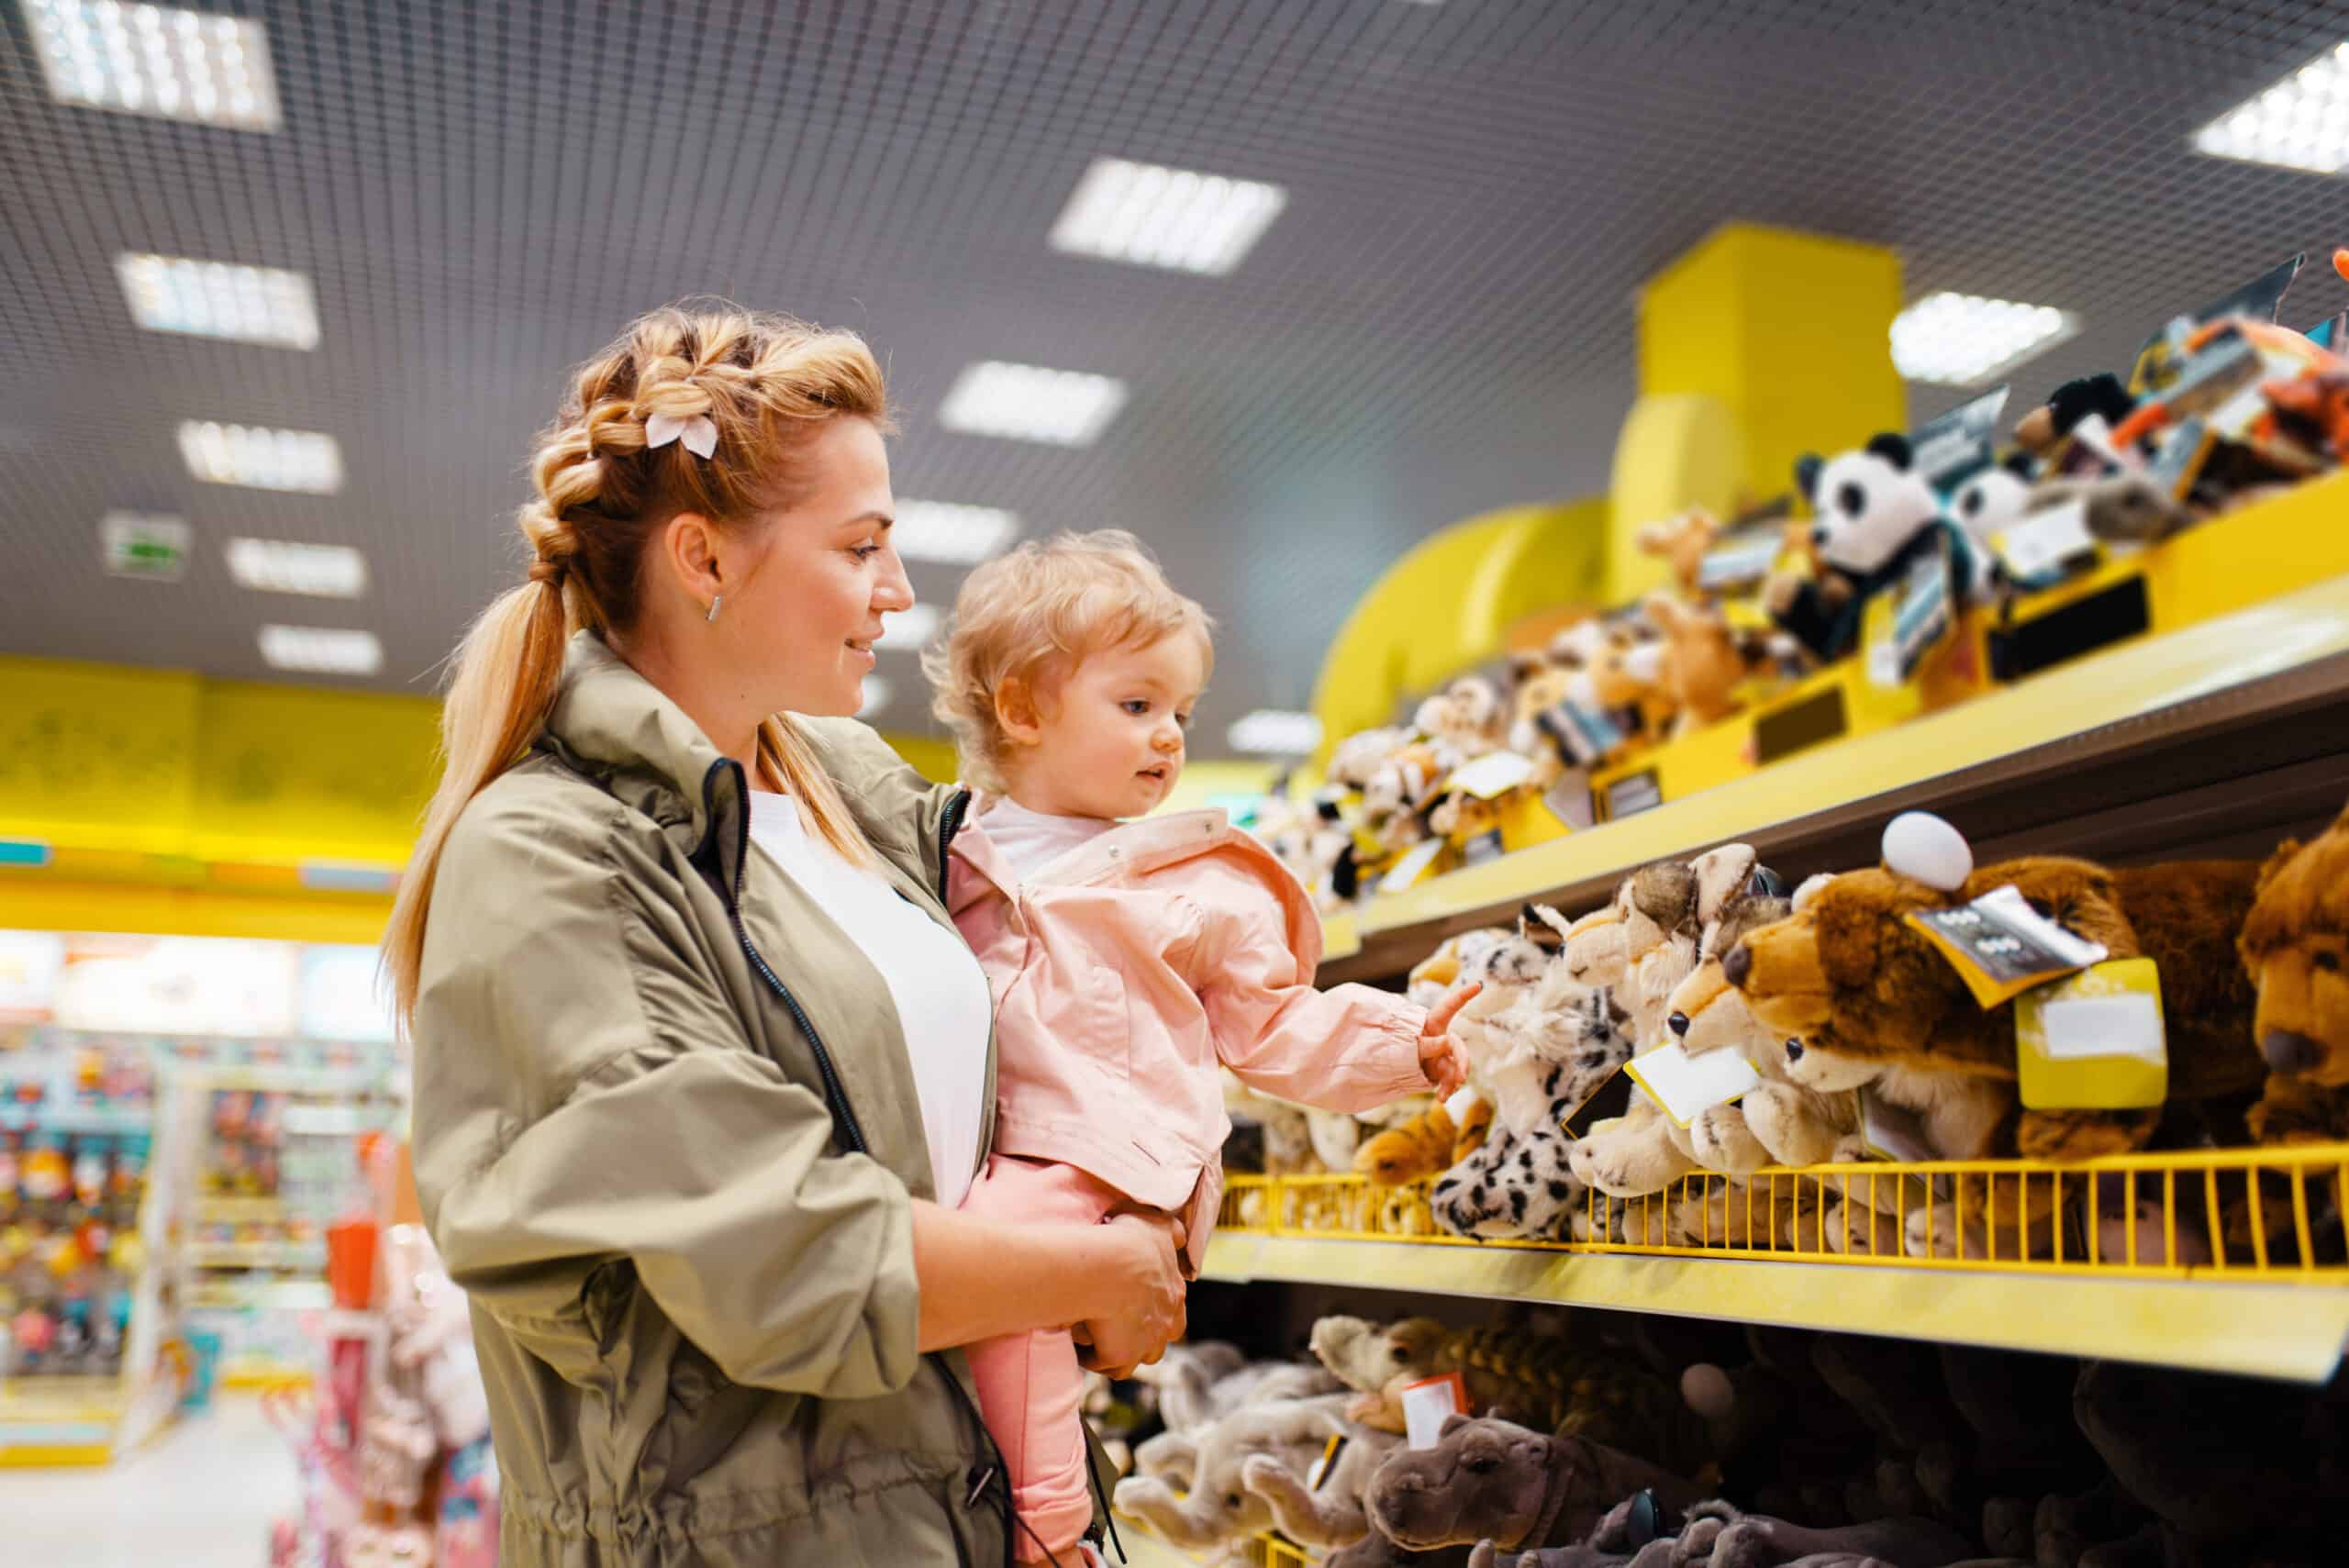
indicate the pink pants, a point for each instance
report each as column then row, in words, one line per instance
column 1030, row 1386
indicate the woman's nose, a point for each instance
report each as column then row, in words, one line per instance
column 893, row 590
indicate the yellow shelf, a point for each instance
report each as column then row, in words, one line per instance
column 1340, row 936
column 2019, row 749
column 2269, row 1329
column 1146, row 1550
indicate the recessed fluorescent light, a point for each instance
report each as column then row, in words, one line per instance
column 1028, row 403
column 951, row 532
column 2302, row 122
column 909, row 627
column 877, row 692
column 1962, row 340
column 1154, row 216
column 283, row 566
column 323, row 650
column 156, row 60
column 264, row 459
column 219, row 299
column 1272, row 732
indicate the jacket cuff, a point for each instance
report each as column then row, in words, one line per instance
column 1391, row 1052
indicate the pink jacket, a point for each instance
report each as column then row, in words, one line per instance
column 1128, row 969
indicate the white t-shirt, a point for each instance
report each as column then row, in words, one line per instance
column 1032, row 841
column 939, row 991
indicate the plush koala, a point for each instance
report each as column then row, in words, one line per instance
column 2294, row 944
column 1489, row 1479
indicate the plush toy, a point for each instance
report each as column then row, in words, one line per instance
column 1682, row 540
column 1397, row 795
column 1719, row 1535
column 2295, row 943
column 1862, row 999
column 1515, row 1186
column 2046, row 426
column 2122, row 508
column 1326, row 1510
column 1464, row 721
column 1359, row 755
column 2313, row 410
column 1214, row 1509
column 1489, row 1479
column 1877, row 516
column 1542, row 1380
column 1704, row 661
column 1199, row 1383
column 1315, row 848
column 1423, row 1146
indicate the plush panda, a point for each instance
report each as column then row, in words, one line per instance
column 1995, row 498
column 1876, row 514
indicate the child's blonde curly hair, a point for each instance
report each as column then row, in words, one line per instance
column 1028, row 615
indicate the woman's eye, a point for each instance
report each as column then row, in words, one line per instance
column 866, row 551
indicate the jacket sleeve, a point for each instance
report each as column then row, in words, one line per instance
column 585, row 1095
column 1346, row 1049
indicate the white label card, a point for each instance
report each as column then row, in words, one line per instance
column 1687, row 1086
column 1426, row 1408
column 1496, row 772
column 2046, row 542
column 1413, row 866
column 2129, row 1024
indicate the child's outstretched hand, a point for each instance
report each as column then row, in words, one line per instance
column 1442, row 1056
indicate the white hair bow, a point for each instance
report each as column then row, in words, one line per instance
column 700, row 432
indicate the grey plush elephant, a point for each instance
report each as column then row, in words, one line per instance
column 1213, row 1509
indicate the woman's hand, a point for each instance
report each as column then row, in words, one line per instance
column 1137, row 1296
column 1442, row 1056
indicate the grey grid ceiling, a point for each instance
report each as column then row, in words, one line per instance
column 1441, row 321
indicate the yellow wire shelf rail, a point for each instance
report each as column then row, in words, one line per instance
column 2226, row 1260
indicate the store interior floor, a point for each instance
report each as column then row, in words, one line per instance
column 201, row 1495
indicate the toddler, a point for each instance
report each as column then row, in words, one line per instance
column 1127, row 959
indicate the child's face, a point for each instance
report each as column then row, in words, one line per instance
column 1107, row 740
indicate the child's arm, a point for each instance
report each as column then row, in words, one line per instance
column 1346, row 1049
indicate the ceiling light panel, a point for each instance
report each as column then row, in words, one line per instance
column 1273, row 732
column 1028, row 403
column 285, row 566
column 951, row 533
column 2302, row 122
column 909, row 627
column 1154, row 216
column 307, row 460
column 321, row 651
column 156, row 60
column 219, row 299
column 1962, row 340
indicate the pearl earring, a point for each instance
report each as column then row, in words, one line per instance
column 714, row 600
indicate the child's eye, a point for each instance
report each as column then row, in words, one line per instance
column 1136, row 705
column 1184, row 720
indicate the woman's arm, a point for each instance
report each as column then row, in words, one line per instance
column 981, row 1279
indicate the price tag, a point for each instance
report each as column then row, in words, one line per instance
column 2001, row 947
column 1921, row 615
column 1687, row 1086
column 2047, row 545
column 1428, row 1404
column 1494, row 774
column 2095, row 1041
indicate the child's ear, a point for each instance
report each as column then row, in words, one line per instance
column 1016, row 713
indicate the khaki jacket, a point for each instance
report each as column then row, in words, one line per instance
column 667, row 1136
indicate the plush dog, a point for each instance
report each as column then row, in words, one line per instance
column 1489, row 1479
column 1682, row 541
column 1705, row 661
column 2295, row 944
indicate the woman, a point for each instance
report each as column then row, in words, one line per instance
column 701, row 1068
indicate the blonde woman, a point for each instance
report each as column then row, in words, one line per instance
column 702, row 1068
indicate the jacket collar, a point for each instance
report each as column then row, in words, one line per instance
column 613, row 723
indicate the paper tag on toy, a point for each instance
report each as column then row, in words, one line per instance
column 1492, row 774
column 1584, row 735
column 1606, row 1101
column 1428, row 1404
column 2001, row 947
column 1327, row 1462
column 1413, row 868
column 2094, row 1041
column 1739, row 563
column 1903, row 626
column 1687, row 1086
column 1569, row 799
column 2047, row 545
column 1892, row 1132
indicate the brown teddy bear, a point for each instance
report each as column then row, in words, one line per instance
column 2294, row 944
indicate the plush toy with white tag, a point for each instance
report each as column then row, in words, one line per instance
column 1877, row 517
column 1865, row 997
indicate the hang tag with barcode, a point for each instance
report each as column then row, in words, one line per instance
column 1687, row 1086
column 2001, row 947
column 2094, row 1041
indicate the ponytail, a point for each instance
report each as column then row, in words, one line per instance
column 506, row 673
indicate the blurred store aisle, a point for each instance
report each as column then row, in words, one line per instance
column 200, row 1496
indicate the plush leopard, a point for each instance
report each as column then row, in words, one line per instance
column 1515, row 1188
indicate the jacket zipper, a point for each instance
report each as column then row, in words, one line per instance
column 949, row 824
column 843, row 1114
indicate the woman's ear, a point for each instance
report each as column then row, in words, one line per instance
column 688, row 551
column 1015, row 711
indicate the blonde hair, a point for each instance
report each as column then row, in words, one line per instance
column 767, row 382
column 1030, row 614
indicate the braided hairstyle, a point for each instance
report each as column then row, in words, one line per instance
column 766, row 384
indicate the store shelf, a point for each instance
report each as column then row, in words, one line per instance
column 2280, row 1330
column 2228, row 732
column 108, row 1120
column 256, row 1255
